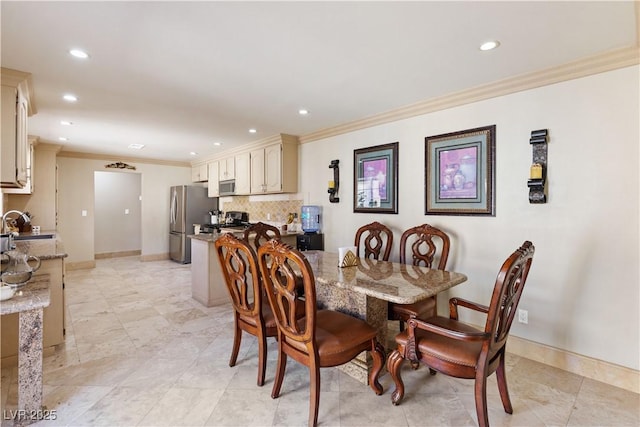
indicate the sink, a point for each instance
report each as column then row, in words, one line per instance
column 34, row 236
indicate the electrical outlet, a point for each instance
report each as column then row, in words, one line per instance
column 523, row 316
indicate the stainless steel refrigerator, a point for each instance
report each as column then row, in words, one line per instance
column 189, row 205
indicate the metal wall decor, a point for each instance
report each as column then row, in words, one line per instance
column 119, row 165
column 335, row 184
column 538, row 172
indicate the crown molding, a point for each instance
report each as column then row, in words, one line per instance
column 110, row 157
column 608, row 61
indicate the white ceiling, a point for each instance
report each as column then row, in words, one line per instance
column 179, row 76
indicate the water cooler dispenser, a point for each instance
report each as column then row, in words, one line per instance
column 312, row 239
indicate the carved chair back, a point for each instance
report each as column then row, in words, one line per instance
column 423, row 241
column 259, row 233
column 376, row 239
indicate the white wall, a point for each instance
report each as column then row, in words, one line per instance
column 583, row 289
column 76, row 193
column 118, row 204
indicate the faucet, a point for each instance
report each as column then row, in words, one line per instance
column 4, row 219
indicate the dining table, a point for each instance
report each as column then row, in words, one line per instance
column 366, row 289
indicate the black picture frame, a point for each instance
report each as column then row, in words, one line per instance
column 375, row 182
column 460, row 173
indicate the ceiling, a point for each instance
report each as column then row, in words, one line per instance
column 181, row 76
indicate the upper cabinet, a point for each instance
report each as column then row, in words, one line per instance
column 29, row 185
column 214, row 187
column 227, row 168
column 199, row 173
column 274, row 168
column 243, row 174
column 15, row 149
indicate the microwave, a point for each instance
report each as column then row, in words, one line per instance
column 227, row 187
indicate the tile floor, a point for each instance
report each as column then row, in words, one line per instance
column 140, row 352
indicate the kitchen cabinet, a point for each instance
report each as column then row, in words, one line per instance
column 227, row 168
column 214, row 188
column 53, row 319
column 199, row 173
column 15, row 148
column 274, row 168
column 29, row 186
column 243, row 173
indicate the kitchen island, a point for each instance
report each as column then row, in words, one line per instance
column 52, row 254
column 28, row 304
column 207, row 282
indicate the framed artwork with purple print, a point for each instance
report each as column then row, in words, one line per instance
column 460, row 172
column 375, row 183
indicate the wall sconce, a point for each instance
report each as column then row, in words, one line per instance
column 538, row 172
column 335, row 184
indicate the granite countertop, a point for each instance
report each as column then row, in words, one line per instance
column 212, row 237
column 35, row 294
column 42, row 248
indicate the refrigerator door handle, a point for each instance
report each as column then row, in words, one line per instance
column 173, row 207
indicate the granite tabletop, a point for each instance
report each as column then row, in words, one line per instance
column 34, row 294
column 389, row 281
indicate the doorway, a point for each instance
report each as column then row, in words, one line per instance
column 118, row 214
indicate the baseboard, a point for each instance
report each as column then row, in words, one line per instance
column 609, row 373
column 154, row 257
column 79, row 265
column 12, row 361
column 106, row 255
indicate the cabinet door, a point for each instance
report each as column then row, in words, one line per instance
column 243, row 172
column 257, row 172
column 29, row 186
column 214, row 189
column 273, row 168
column 195, row 174
column 227, row 169
column 22, row 143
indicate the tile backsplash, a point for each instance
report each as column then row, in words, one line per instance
column 277, row 210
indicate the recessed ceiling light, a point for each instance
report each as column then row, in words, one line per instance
column 65, row 123
column 62, row 138
column 217, row 144
column 136, row 146
column 193, row 153
column 79, row 53
column 303, row 112
column 70, row 98
column 252, row 131
column 490, row 45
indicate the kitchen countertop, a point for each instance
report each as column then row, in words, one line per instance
column 212, row 237
column 35, row 294
column 42, row 248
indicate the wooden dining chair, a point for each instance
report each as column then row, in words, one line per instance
column 252, row 312
column 322, row 338
column 459, row 350
column 419, row 246
column 375, row 239
column 259, row 233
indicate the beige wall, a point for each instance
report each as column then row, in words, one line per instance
column 583, row 292
column 118, row 212
column 76, row 193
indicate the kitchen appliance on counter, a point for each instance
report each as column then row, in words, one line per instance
column 236, row 219
column 189, row 205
